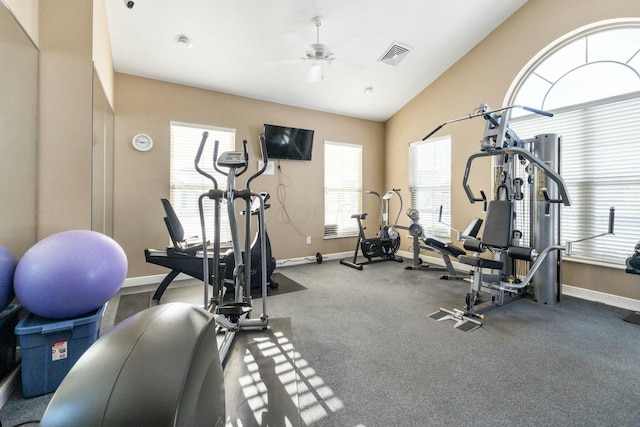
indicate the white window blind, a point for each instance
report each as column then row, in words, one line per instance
column 430, row 177
column 342, row 188
column 187, row 184
column 601, row 167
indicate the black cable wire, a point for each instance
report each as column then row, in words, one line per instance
column 281, row 195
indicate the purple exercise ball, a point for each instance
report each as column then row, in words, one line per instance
column 69, row 274
column 8, row 264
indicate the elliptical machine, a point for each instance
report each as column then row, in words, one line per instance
column 385, row 245
column 256, row 257
column 232, row 317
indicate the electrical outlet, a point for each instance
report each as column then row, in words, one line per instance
column 308, row 240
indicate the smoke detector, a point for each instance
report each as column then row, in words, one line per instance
column 184, row 41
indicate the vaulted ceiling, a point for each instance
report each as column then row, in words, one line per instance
column 263, row 49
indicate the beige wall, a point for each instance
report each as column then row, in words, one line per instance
column 64, row 184
column 26, row 11
column 484, row 75
column 141, row 179
column 72, row 34
column 101, row 49
column 18, row 135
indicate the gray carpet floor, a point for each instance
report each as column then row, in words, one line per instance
column 367, row 354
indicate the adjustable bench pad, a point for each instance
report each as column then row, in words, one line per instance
column 443, row 246
column 481, row 262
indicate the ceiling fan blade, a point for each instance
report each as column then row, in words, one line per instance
column 295, row 38
column 283, row 62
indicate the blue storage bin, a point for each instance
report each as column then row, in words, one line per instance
column 50, row 347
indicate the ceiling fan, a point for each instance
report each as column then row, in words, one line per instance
column 318, row 55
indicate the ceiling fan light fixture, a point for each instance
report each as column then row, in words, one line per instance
column 184, row 41
column 316, row 72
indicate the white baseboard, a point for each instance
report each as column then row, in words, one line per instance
column 573, row 291
column 157, row 278
column 130, row 282
column 602, row 297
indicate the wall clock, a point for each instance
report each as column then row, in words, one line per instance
column 142, row 142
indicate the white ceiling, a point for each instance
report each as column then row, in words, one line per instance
column 253, row 48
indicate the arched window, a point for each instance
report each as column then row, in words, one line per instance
column 590, row 80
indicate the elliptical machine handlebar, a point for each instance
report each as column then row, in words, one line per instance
column 265, row 160
column 203, row 142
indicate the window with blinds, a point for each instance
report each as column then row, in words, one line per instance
column 342, row 188
column 187, row 184
column 601, row 167
column 430, row 178
column 590, row 80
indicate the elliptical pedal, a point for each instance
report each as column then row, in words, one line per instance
column 234, row 309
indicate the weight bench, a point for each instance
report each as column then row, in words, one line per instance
column 497, row 239
column 446, row 250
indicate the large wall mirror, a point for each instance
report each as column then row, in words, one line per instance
column 18, row 135
column 102, row 162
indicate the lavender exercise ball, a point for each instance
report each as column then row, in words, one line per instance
column 69, row 274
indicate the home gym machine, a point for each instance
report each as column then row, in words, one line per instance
column 385, row 245
column 422, row 240
column 514, row 270
column 232, row 317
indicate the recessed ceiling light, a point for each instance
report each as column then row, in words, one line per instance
column 368, row 90
column 183, row 41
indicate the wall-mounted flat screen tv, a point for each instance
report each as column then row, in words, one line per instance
column 288, row 143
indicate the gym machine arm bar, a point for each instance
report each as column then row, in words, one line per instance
column 562, row 188
column 539, row 258
column 483, row 113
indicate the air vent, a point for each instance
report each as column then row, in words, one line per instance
column 396, row 53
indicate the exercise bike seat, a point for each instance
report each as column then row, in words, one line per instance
column 189, row 246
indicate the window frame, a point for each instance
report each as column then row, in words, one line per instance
column 186, row 184
column 606, row 250
column 342, row 199
column 428, row 195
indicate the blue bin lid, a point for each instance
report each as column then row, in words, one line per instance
column 33, row 324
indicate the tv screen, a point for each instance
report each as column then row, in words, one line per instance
column 288, row 143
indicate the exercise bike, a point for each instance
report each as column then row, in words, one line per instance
column 385, row 245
